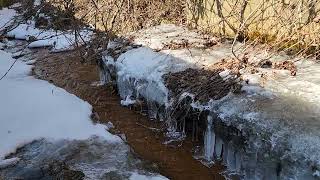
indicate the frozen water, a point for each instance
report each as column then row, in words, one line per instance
column 278, row 118
column 127, row 102
column 218, row 148
column 209, row 140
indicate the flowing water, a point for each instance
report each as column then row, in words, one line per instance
column 146, row 138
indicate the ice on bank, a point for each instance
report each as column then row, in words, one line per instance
column 272, row 126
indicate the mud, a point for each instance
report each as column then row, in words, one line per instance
column 144, row 136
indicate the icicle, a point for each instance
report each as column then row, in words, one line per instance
column 231, row 159
column 218, row 148
column 251, row 166
column 225, row 153
column 152, row 110
column 209, row 140
column 238, row 162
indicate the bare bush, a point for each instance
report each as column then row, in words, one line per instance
column 124, row 15
column 289, row 26
column 109, row 17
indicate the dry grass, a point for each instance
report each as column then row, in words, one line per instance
column 289, row 26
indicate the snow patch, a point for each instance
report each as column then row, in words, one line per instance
column 33, row 109
column 6, row 17
column 58, row 40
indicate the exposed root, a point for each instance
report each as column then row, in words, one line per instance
column 204, row 84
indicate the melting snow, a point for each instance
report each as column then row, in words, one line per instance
column 32, row 109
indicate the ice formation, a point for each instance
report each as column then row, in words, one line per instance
column 270, row 130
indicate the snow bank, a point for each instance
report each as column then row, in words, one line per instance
column 32, row 109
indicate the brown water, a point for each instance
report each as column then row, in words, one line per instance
column 175, row 162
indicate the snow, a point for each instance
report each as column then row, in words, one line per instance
column 32, row 109
column 159, row 36
column 58, row 40
column 6, row 17
column 224, row 73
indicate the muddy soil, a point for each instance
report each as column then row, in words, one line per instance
column 174, row 161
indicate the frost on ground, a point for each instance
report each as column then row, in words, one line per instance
column 277, row 112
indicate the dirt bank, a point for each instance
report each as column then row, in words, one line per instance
column 174, row 161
